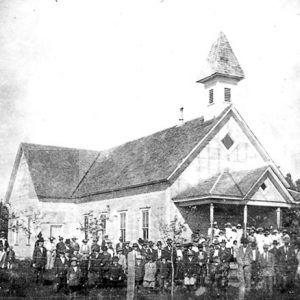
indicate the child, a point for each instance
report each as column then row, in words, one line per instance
column 73, row 277
column 10, row 258
column 150, row 272
column 139, row 271
column 116, row 274
column 164, row 274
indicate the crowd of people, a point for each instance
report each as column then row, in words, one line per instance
column 264, row 258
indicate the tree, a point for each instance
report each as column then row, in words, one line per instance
column 94, row 223
column 174, row 232
column 298, row 185
column 290, row 181
column 4, row 215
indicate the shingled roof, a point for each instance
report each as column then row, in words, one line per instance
column 69, row 173
column 228, row 183
column 56, row 171
column 222, row 61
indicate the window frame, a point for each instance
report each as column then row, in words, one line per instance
column 228, row 90
column 146, row 222
column 123, row 218
column 211, row 99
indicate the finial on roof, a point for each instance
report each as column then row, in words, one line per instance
column 221, row 61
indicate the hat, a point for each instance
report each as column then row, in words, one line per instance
column 61, row 238
column 233, row 228
column 159, row 243
column 286, row 238
column 104, row 248
column 109, row 242
column 84, row 241
column 223, row 242
column 135, row 245
column 119, row 249
column 95, row 240
column 227, row 224
column 41, row 240
column 238, row 225
column 259, row 229
column 266, row 245
column 275, row 231
column 244, row 240
column 51, row 238
column 140, row 241
column 74, row 258
column 275, row 242
column 169, row 240
column 253, row 244
column 127, row 242
column 215, row 223
column 74, row 238
column 200, row 246
column 190, row 253
column 150, row 243
column 61, row 252
column 115, row 258
column 67, row 241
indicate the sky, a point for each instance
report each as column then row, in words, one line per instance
column 94, row 74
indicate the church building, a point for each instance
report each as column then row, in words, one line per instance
column 202, row 170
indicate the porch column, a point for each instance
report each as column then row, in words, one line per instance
column 278, row 217
column 245, row 219
column 211, row 215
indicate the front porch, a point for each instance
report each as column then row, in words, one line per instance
column 200, row 217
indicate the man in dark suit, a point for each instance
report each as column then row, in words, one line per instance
column 61, row 265
column 151, row 253
column 168, row 250
column 39, row 260
column 287, row 263
column 254, row 264
column 276, row 252
column 223, row 269
column 202, row 261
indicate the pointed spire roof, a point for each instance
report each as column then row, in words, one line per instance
column 222, row 61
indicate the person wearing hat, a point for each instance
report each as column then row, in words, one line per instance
column 94, row 267
column 150, row 251
column 275, row 251
column 163, row 274
column 121, row 243
column 190, row 270
column 139, row 270
column 140, row 243
column 287, row 264
column 228, row 231
column 122, row 259
column 213, row 231
column 223, row 269
column 74, row 277
column 202, row 262
column 266, row 262
column 84, row 262
column 60, row 246
column 50, row 247
column 159, row 250
column 254, row 263
column 39, row 260
column 150, row 268
column 244, row 259
column 239, row 233
column 106, row 260
column 127, row 248
column 110, row 248
column 74, row 245
column 60, row 270
column 95, row 246
column 115, row 273
column 167, row 251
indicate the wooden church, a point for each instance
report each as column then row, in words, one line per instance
column 206, row 169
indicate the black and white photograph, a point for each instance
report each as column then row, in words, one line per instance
column 150, row 149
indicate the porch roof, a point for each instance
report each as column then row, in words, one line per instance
column 231, row 184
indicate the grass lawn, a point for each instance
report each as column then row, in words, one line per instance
column 20, row 283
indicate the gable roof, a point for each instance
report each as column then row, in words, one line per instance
column 221, row 60
column 59, row 172
column 227, row 183
column 147, row 160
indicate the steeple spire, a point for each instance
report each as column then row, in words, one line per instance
column 221, row 74
column 221, row 61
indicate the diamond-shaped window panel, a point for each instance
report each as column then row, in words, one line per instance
column 227, row 141
column 263, row 186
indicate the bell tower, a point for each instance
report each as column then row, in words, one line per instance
column 222, row 73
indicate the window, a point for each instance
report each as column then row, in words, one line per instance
column 145, row 224
column 227, row 141
column 123, row 226
column 86, row 227
column 263, row 186
column 211, row 96
column 227, row 94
